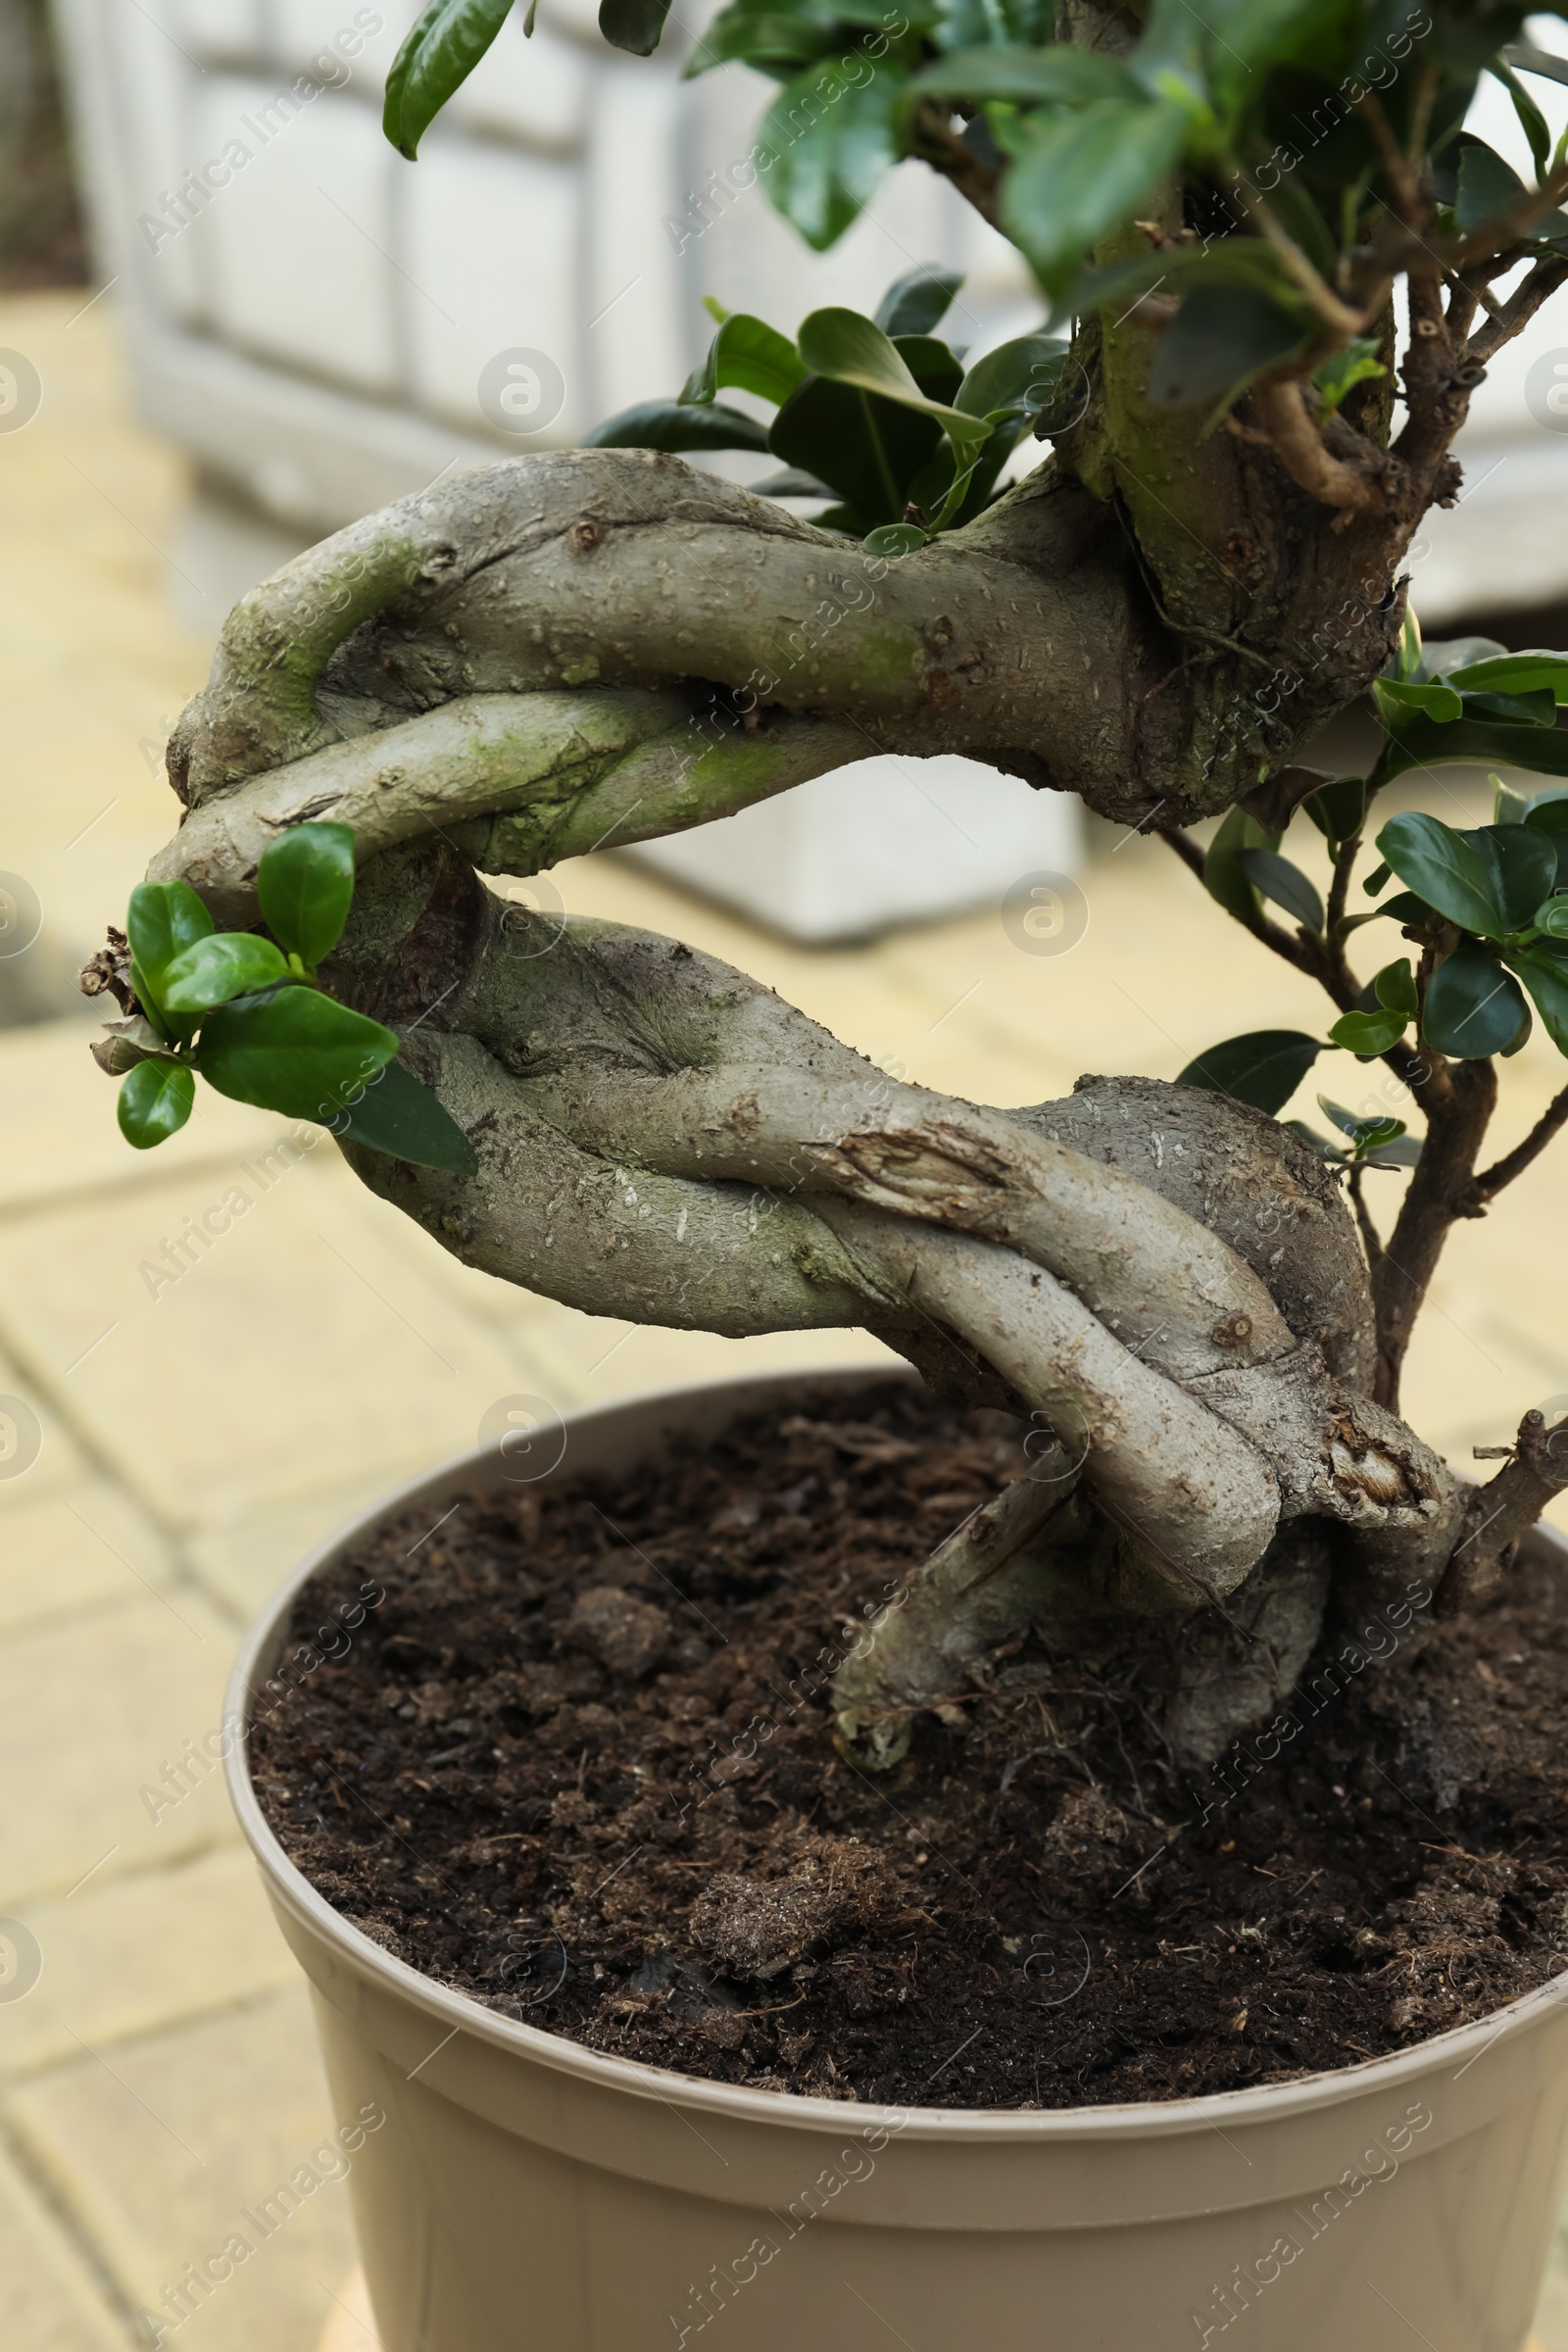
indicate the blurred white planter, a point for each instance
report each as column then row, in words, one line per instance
column 885, row 842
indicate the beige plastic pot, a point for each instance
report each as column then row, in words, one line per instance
column 522, row 2195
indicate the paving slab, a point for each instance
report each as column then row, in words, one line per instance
column 49, row 2302
column 96, row 1715
column 127, row 1957
column 164, row 2149
column 61, row 1554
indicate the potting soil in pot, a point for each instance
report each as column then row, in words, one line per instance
column 569, row 1754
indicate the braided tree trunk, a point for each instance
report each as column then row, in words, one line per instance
column 571, row 648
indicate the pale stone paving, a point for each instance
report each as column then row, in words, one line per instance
column 211, row 1407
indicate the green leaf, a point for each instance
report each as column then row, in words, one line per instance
column 1523, row 863
column 752, row 357
column 1340, row 374
column 830, row 152
column 1531, row 122
column 1443, row 868
column 1394, row 696
column 232, row 963
column 1487, row 185
column 305, row 882
column 163, row 918
column 1545, row 977
column 1075, row 176
column 896, row 539
column 1514, row 673
column 1337, row 809
column 872, row 451
column 1417, row 741
column 1552, row 918
column 1021, row 374
column 1220, row 340
column 770, row 38
column 1286, row 884
column 1395, row 989
column 1473, row 1008
column 917, row 303
column 1369, row 1033
column 1057, row 76
column 633, row 25
column 674, row 426
column 1368, row 1132
column 1546, row 812
column 1264, row 1068
column 155, row 1099
column 851, row 348
column 1449, row 654
column 399, row 1115
column 445, row 45
column 295, row 1050
column 1225, row 877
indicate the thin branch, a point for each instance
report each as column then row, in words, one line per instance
column 1458, row 1114
column 1503, row 1510
column 1371, row 1239
column 1517, row 312
column 1490, row 1183
column 1356, row 480
column 1408, row 203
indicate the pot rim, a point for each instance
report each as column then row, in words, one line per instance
column 1147, row 2119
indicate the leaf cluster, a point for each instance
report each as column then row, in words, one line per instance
column 245, row 1012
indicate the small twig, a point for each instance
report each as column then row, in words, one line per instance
column 937, row 143
column 1371, row 1239
column 1499, row 1513
column 1490, row 1183
column 1355, row 481
column 1516, row 313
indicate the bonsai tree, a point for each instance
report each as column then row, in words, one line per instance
column 1193, row 1305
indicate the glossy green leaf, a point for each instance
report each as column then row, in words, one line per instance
column 1221, row 339
column 849, row 348
column 634, row 25
column 1547, row 811
column 1394, row 696
column 163, row 918
column 447, row 42
column 1395, row 990
column 155, row 1099
column 1372, row 1130
column 872, row 451
column 1057, row 76
column 917, row 303
column 1337, row 809
column 1021, row 374
column 295, row 1050
column 1446, row 656
column 1225, row 877
column 305, row 882
column 229, row 964
column 1264, row 1068
column 672, row 425
column 1523, row 863
column 1516, row 674
column 1545, row 975
column 1369, row 1033
column 1531, row 122
column 1339, row 375
column 1417, row 741
column 832, row 141
column 1076, row 174
column 1473, row 1008
column 1286, row 884
column 748, row 356
column 772, row 38
column 1487, row 185
column 397, row 1114
column 1552, row 918
column 1443, row 868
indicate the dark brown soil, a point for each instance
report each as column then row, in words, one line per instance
column 569, row 1754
